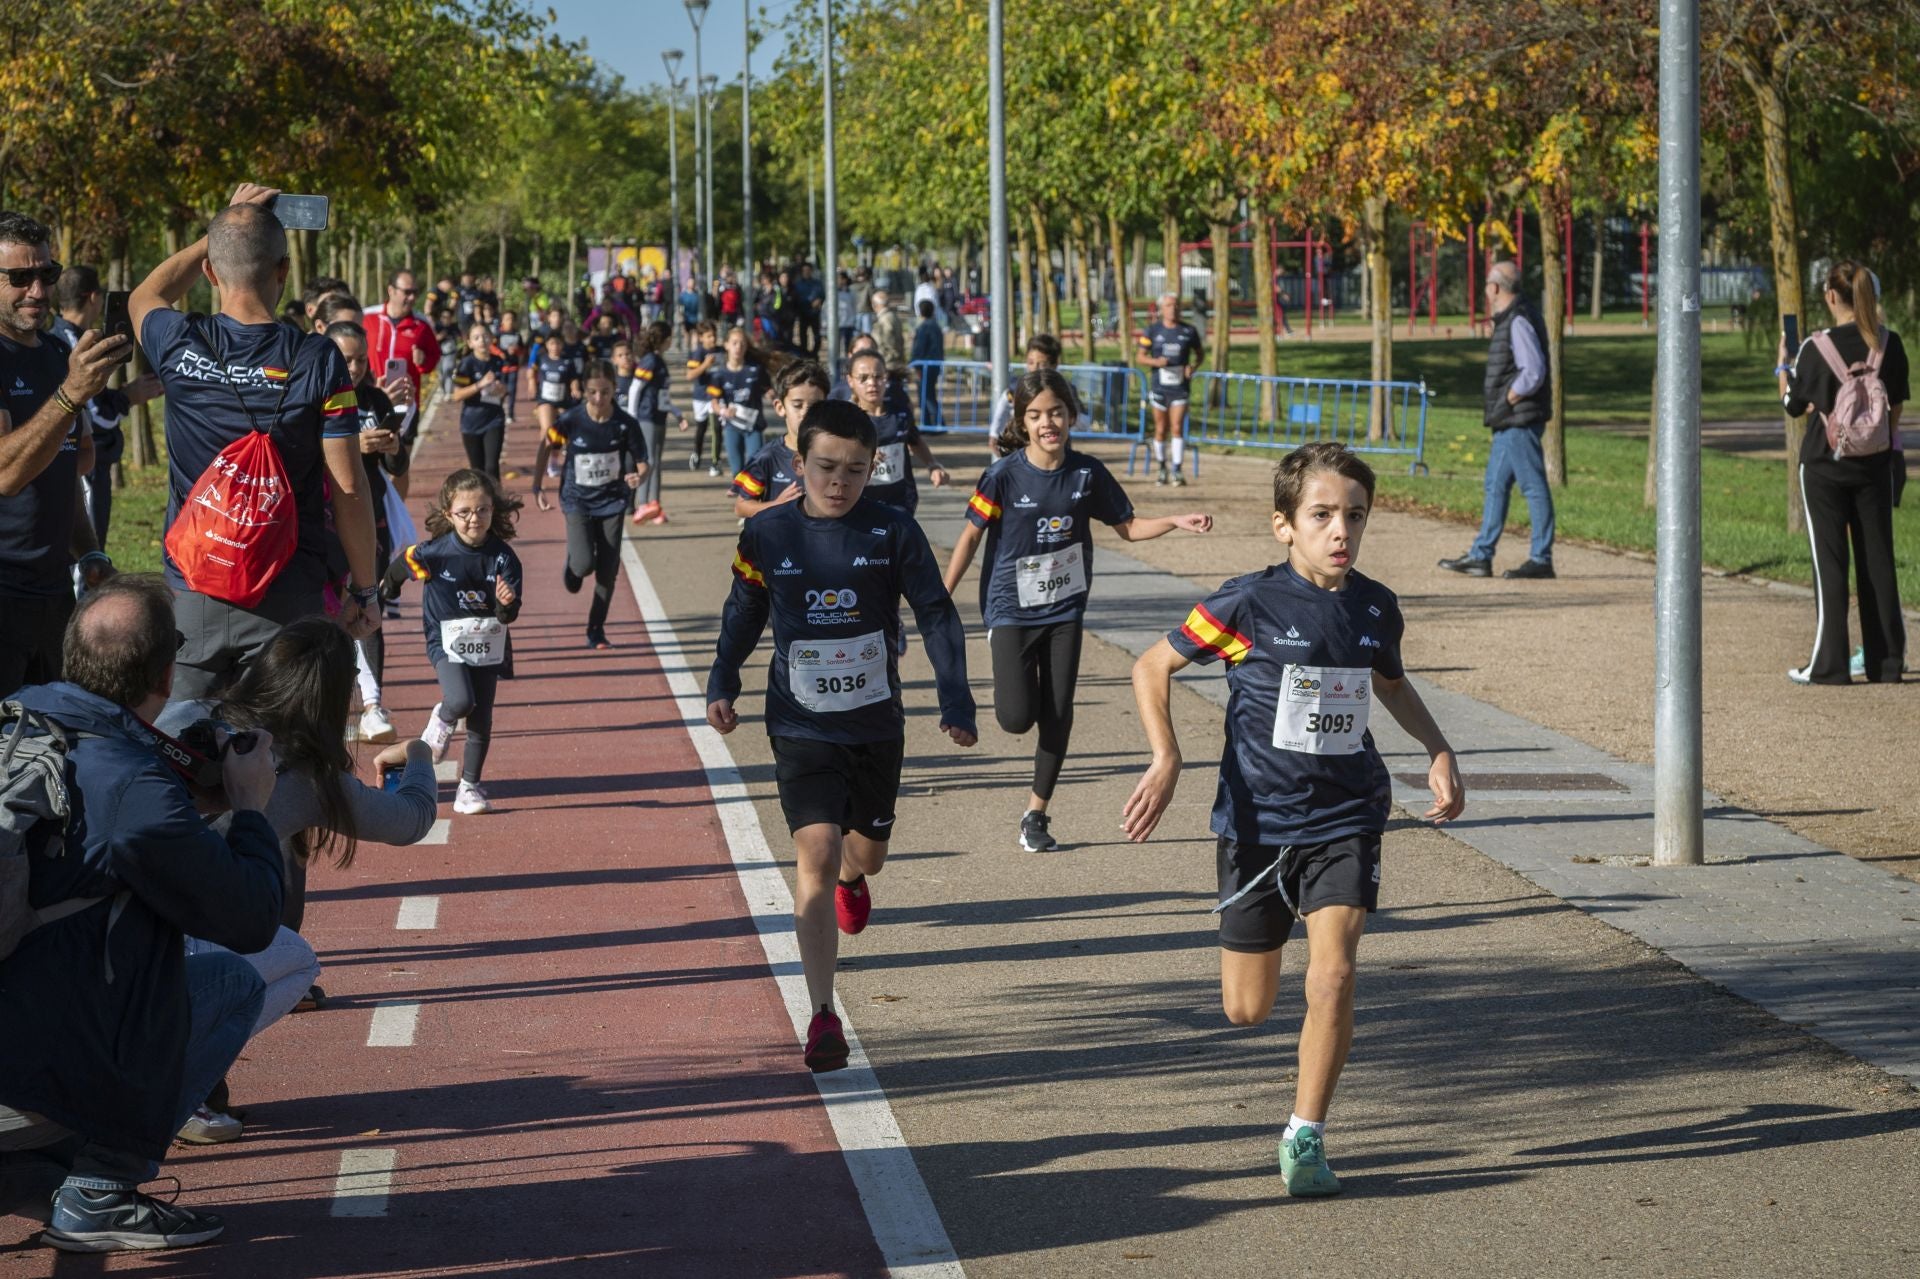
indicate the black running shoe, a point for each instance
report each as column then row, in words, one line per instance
column 1468, row 565
column 123, row 1220
column 1034, row 836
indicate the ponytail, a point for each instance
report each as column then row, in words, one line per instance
column 1854, row 285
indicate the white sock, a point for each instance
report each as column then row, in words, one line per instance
column 1296, row 1123
column 1179, row 443
column 1157, row 454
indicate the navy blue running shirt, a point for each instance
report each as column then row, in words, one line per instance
column 833, row 591
column 773, row 470
column 1038, row 563
column 483, row 412
column 36, row 524
column 598, row 457
column 1179, row 343
column 891, row 480
column 1299, row 765
column 457, row 600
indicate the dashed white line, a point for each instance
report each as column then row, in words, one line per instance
column 393, row 1024
column 366, row 1178
column 418, row 913
column 900, row 1212
column 438, row 832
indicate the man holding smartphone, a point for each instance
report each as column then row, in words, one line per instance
column 396, row 332
column 46, row 448
column 81, row 302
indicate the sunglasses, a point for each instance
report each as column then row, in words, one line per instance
column 21, row 277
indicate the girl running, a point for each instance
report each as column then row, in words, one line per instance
column 558, row 386
column 773, row 476
column 738, row 389
column 605, row 458
column 470, row 595
column 829, row 570
column 1035, row 507
column 480, row 389
column 1310, row 646
column 893, row 426
column 646, row 402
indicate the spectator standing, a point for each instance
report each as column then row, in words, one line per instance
column 1850, row 490
column 114, row 1035
column 80, row 300
column 238, row 372
column 1519, row 400
column 847, row 311
column 395, row 332
column 45, row 451
column 810, row 297
column 889, row 333
column 929, row 351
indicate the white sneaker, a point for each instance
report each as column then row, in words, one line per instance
column 470, row 800
column 375, row 726
column 437, row 734
column 209, row 1128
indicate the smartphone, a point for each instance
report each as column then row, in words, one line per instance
column 114, row 319
column 1790, row 325
column 301, row 212
column 390, row 780
column 395, row 368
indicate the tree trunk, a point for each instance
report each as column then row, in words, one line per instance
column 1123, row 296
column 1043, row 261
column 1083, row 263
column 429, row 282
column 296, row 263
column 1552, row 258
column 500, row 276
column 1373, row 227
column 1263, row 305
column 1221, row 233
column 1769, row 92
column 1024, row 264
column 1597, row 285
column 536, row 255
column 1170, row 255
column 573, row 258
column 352, row 273
column 1139, row 288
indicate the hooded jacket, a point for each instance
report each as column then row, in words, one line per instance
column 93, row 1007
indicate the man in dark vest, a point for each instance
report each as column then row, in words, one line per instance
column 1519, row 402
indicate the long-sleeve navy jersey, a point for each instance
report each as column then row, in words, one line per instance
column 457, row 604
column 833, row 590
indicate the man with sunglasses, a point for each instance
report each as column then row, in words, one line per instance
column 45, row 450
column 396, row 332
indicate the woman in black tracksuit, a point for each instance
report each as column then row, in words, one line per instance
column 1850, row 491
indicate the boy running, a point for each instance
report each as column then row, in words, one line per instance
column 1310, row 645
column 773, row 476
column 830, row 571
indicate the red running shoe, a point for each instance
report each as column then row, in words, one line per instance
column 826, row 1046
column 852, row 903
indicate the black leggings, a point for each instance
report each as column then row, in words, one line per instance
column 483, row 450
column 1035, row 669
column 700, row 425
column 467, row 692
column 593, row 550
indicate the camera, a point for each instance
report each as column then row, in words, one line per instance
column 195, row 754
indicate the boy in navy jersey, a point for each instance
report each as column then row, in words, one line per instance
column 773, row 476
column 1310, row 645
column 830, row 570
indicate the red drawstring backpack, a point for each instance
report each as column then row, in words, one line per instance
column 238, row 527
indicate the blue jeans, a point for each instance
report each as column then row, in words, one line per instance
column 1515, row 456
column 741, row 446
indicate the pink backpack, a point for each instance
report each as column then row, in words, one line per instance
column 1859, row 422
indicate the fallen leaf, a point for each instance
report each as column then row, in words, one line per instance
column 1644, row 1203
column 1585, row 861
column 1136, row 1256
column 371, row 1132
column 886, row 999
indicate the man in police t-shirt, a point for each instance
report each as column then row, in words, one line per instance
column 235, row 372
column 44, row 447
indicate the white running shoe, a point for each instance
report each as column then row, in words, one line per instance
column 437, row 734
column 470, row 800
column 375, row 726
column 209, row 1128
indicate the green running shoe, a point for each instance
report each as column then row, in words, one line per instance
column 1304, row 1164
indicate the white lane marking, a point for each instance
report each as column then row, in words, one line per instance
column 361, row 1188
column 438, row 832
column 446, row 770
column 393, row 1024
column 418, row 912
column 899, row 1210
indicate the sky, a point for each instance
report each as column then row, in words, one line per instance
column 627, row 36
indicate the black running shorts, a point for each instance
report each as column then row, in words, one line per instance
column 853, row 787
column 1255, row 916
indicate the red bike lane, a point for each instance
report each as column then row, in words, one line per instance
column 582, row 1066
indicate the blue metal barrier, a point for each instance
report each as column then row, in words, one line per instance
column 955, row 397
column 1247, row 411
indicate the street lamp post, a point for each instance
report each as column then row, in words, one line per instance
column 671, row 58
column 1000, row 289
column 696, row 14
column 750, row 284
column 709, row 85
column 829, row 266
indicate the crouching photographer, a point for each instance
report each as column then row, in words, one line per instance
column 113, row 1033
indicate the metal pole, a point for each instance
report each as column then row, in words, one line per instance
column 703, row 144
column 1000, row 290
column 813, row 219
column 672, row 59
column 750, row 284
column 1677, row 835
column 830, row 264
column 712, row 280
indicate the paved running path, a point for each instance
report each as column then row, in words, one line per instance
column 597, row 1077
